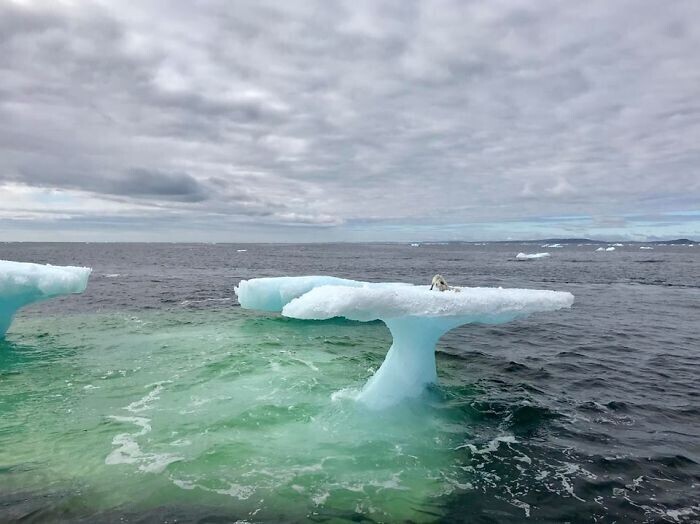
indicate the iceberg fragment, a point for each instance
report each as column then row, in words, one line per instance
column 530, row 256
column 24, row 283
column 416, row 317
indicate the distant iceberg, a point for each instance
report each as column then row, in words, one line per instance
column 23, row 283
column 551, row 245
column 531, row 256
column 645, row 247
column 606, row 249
column 416, row 317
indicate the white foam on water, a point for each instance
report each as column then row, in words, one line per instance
column 679, row 515
column 491, row 446
column 522, row 505
column 128, row 450
column 320, row 498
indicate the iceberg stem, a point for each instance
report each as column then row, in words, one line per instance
column 409, row 365
column 8, row 309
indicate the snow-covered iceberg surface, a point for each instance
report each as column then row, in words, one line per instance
column 416, row 316
column 272, row 294
column 531, row 256
column 23, row 283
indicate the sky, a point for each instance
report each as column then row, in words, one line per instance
column 305, row 121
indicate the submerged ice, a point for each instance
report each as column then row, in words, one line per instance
column 416, row 317
column 23, row 283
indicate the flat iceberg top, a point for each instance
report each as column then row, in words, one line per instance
column 34, row 281
column 272, row 293
column 477, row 304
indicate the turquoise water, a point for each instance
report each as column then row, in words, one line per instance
column 234, row 411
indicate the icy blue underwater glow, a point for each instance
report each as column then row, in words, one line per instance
column 416, row 316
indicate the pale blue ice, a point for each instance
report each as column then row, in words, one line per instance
column 23, row 283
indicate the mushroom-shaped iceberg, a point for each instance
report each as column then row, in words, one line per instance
column 23, row 283
column 416, row 316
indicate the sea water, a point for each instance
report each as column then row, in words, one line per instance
column 154, row 396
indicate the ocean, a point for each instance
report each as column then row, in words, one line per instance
column 154, row 397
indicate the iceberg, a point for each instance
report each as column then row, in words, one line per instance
column 23, row 283
column 530, row 256
column 416, row 317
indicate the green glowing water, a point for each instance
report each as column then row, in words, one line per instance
column 231, row 410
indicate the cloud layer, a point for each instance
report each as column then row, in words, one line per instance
column 348, row 120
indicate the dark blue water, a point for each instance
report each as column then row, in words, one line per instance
column 603, row 400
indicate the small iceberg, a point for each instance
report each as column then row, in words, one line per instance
column 645, row 247
column 415, row 316
column 552, row 245
column 606, row 249
column 531, row 256
column 415, row 245
column 23, row 283
column 618, row 245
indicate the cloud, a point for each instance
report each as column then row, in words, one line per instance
column 270, row 115
column 156, row 184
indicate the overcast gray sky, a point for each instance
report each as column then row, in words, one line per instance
column 378, row 120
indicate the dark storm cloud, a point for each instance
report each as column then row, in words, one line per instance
column 176, row 186
column 330, row 113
